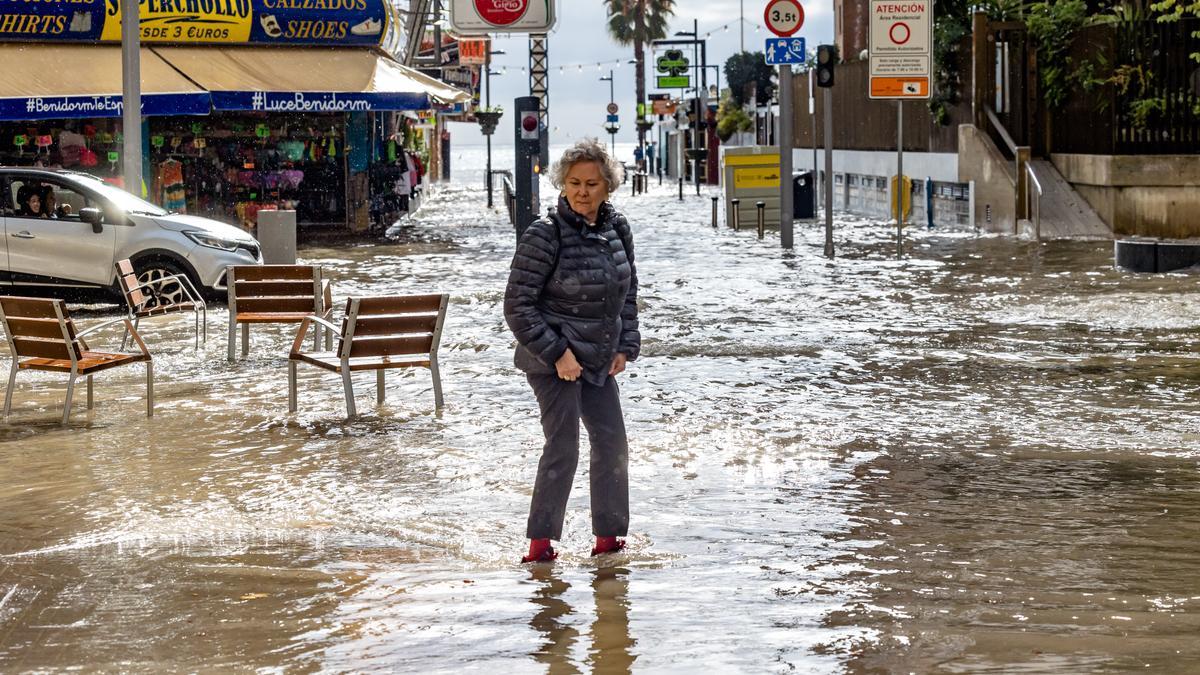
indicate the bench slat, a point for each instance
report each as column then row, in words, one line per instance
column 394, row 324
column 274, row 272
column 32, row 308
column 269, row 305
column 40, row 328
column 42, row 348
column 253, row 289
column 391, row 346
column 399, row 304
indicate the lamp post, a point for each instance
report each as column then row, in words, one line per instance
column 487, row 104
column 699, row 62
column 611, row 127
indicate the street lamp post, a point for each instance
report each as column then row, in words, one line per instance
column 611, row 127
column 699, row 62
column 487, row 81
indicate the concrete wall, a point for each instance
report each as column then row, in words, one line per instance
column 1144, row 195
column 995, row 191
column 940, row 166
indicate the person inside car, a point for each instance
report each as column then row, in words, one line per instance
column 50, row 206
column 29, row 203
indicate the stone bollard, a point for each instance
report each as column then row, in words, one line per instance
column 681, row 188
column 737, row 215
column 714, row 200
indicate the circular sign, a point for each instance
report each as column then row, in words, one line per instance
column 783, row 17
column 501, row 12
column 899, row 33
column 612, row 108
column 530, row 122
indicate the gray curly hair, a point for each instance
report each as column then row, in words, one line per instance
column 588, row 150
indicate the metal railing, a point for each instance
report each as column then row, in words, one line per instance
column 510, row 198
column 1034, row 210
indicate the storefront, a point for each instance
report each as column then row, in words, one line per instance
column 229, row 127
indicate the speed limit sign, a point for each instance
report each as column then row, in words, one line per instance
column 784, row 17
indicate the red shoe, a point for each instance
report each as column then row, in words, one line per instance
column 540, row 550
column 608, row 545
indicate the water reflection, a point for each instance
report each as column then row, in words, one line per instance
column 611, row 648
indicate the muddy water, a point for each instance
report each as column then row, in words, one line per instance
column 980, row 458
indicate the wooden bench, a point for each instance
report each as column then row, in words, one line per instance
column 275, row 294
column 145, row 300
column 378, row 333
column 42, row 336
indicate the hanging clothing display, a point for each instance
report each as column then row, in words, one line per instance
column 169, row 186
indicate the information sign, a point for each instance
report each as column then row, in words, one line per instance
column 502, row 16
column 901, row 58
column 784, row 51
column 674, row 81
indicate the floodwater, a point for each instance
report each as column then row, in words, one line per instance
column 980, row 458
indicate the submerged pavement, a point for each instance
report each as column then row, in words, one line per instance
column 981, row 457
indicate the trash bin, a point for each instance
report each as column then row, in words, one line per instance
column 802, row 195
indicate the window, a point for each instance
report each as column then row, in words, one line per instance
column 37, row 198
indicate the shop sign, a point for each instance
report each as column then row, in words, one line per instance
column 502, row 16
column 309, row 102
column 311, row 22
column 56, row 107
column 756, row 177
column 473, row 51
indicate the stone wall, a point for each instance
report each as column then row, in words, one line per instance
column 1142, row 195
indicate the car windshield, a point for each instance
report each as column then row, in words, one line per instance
column 120, row 198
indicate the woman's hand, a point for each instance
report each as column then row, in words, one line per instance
column 568, row 368
column 618, row 364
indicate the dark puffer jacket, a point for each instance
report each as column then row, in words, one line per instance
column 587, row 301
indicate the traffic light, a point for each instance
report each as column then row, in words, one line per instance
column 827, row 57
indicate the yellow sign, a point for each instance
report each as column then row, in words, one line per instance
column 184, row 21
column 759, row 177
column 906, row 193
column 735, row 160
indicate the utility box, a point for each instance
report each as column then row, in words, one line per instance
column 277, row 234
column 803, row 189
column 751, row 174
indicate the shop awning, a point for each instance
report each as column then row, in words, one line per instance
column 307, row 79
column 43, row 81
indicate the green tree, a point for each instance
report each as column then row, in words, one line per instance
column 637, row 23
column 746, row 67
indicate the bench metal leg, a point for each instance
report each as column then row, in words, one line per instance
column 90, row 401
column 125, row 335
column 232, row 338
column 12, row 382
column 437, row 382
column 149, row 389
column 379, row 386
column 203, row 325
column 196, row 326
column 67, row 403
column 350, row 411
column 245, row 340
column 291, row 386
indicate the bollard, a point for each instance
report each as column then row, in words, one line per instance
column 714, row 200
column 737, row 216
column 681, row 188
column 762, row 222
column 660, row 178
column 633, row 185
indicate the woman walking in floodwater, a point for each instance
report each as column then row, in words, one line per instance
column 571, row 301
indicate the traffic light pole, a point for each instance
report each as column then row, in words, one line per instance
column 828, row 96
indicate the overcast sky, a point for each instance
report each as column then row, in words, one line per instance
column 578, row 98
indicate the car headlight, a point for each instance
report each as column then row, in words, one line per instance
column 213, row 241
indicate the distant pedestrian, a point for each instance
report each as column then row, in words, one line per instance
column 571, row 301
column 638, row 157
column 651, row 167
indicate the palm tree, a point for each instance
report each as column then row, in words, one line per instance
column 637, row 23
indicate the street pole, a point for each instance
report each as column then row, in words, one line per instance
column 742, row 24
column 812, row 112
column 899, row 179
column 785, row 155
column 828, row 107
column 131, row 96
column 612, row 99
column 487, row 82
column 699, row 113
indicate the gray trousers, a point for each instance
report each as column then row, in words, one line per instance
column 563, row 405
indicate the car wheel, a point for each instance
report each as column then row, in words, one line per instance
column 160, row 287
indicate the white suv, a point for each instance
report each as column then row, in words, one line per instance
column 90, row 225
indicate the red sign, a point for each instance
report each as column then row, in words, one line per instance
column 473, row 52
column 501, row 12
column 783, row 17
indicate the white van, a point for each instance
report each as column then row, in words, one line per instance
column 74, row 241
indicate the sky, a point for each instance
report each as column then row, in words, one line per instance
column 578, row 97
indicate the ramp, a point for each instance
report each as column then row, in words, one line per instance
column 1064, row 213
